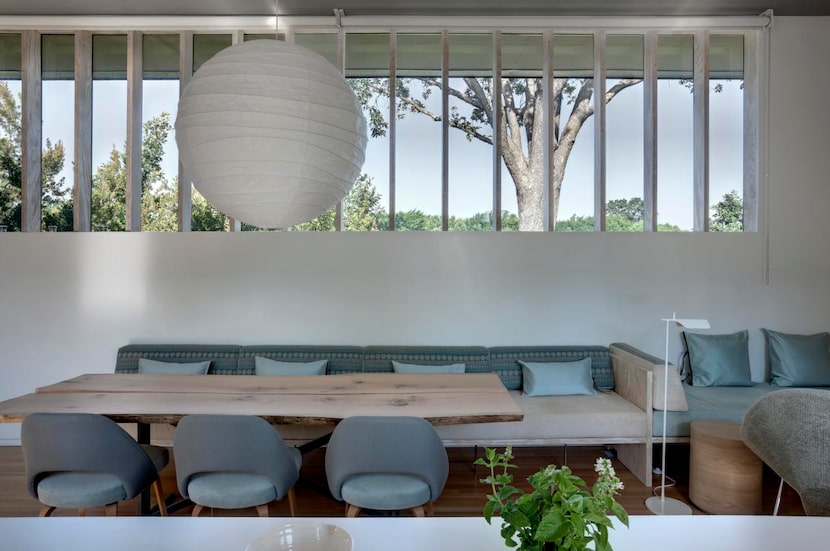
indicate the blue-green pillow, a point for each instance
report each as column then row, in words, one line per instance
column 400, row 367
column 719, row 360
column 798, row 360
column 557, row 378
column 154, row 367
column 267, row 366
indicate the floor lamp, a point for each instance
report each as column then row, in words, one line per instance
column 662, row 505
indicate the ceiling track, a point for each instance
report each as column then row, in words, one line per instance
column 262, row 24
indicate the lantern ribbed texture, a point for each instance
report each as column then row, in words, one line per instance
column 270, row 133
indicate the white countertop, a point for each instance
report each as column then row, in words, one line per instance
column 692, row 533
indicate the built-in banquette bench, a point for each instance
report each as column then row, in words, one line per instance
column 618, row 414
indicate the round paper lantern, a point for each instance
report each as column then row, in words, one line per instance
column 270, row 133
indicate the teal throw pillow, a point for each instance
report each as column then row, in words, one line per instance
column 557, row 378
column 154, row 367
column 266, row 366
column 798, row 360
column 719, row 360
column 400, row 367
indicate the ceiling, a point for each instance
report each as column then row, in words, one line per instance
column 416, row 7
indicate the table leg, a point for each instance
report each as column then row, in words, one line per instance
column 143, row 437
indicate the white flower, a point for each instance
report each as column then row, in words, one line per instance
column 604, row 467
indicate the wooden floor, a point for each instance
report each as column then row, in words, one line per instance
column 463, row 495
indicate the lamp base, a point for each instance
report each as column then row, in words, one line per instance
column 667, row 506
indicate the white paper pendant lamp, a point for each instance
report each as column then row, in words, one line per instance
column 270, row 133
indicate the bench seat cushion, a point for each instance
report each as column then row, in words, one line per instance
column 719, row 403
column 603, row 415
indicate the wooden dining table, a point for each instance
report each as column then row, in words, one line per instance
column 144, row 399
column 441, row 399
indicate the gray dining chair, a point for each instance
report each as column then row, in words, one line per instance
column 233, row 462
column 386, row 464
column 790, row 431
column 81, row 460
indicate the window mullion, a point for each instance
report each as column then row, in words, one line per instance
column 701, row 131
column 548, row 202
column 185, row 191
column 497, row 122
column 650, row 190
column 82, row 192
column 445, row 131
column 599, row 131
column 32, row 132
column 751, row 132
column 393, row 67
column 134, row 127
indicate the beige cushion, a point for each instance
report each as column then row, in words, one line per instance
column 605, row 415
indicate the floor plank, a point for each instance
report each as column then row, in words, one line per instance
column 463, row 495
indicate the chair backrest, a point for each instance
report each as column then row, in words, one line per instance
column 399, row 445
column 790, row 431
column 83, row 442
column 232, row 443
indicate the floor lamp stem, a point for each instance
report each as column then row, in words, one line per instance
column 665, row 407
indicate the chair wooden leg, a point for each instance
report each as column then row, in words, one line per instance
column 429, row 509
column 262, row 510
column 352, row 510
column 418, row 511
column 46, row 511
column 111, row 509
column 197, row 509
column 157, row 490
column 292, row 502
column 82, row 512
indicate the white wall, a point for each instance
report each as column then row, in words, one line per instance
column 68, row 301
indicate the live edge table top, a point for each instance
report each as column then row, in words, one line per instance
column 441, row 399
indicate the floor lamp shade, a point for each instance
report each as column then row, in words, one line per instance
column 270, row 133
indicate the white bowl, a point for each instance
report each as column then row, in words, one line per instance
column 303, row 536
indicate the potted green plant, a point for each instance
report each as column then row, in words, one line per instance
column 559, row 513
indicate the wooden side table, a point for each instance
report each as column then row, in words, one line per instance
column 725, row 476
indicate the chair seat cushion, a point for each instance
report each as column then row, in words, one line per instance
column 385, row 492
column 158, row 455
column 77, row 490
column 230, row 490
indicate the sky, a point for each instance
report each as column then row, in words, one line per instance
column 418, row 158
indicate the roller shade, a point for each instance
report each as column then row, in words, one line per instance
column 205, row 46
column 324, row 44
column 109, row 57
column 367, row 54
column 160, row 56
column 10, row 56
column 57, row 56
column 471, row 55
column 522, row 55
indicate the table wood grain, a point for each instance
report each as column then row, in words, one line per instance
column 443, row 399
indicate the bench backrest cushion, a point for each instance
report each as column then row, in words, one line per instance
column 504, row 360
column 378, row 359
column 341, row 359
column 224, row 358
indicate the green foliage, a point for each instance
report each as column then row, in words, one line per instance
column 559, row 509
column 109, row 184
column 204, row 216
column 622, row 215
column 57, row 202
column 728, row 214
column 630, row 210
